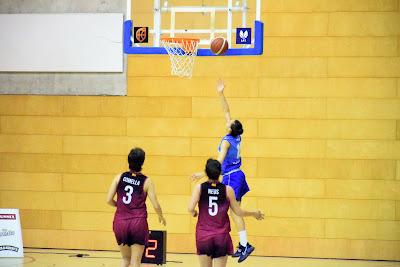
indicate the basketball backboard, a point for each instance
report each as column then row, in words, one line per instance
column 239, row 21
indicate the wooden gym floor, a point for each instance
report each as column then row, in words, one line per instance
column 67, row 258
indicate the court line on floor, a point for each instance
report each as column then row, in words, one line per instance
column 178, row 253
column 80, row 255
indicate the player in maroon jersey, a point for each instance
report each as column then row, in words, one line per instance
column 130, row 220
column 213, row 240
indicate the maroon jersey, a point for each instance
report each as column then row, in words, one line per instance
column 213, row 210
column 131, row 198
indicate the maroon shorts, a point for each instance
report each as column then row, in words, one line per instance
column 131, row 231
column 215, row 246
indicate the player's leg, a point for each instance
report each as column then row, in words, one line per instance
column 140, row 237
column 237, row 181
column 239, row 222
column 221, row 261
column 222, row 249
column 205, row 261
column 120, row 231
column 126, row 255
column 205, row 248
column 241, row 228
column 244, row 246
column 244, row 249
column 137, row 252
column 233, row 181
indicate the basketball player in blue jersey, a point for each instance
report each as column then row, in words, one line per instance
column 229, row 157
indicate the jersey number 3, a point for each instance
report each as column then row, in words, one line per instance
column 212, row 205
column 128, row 198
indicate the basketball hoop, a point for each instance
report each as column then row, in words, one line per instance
column 182, row 53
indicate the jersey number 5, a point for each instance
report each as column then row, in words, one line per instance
column 128, row 198
column 212, row 205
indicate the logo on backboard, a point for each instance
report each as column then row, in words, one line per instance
column 141, row 35
column 243, row 35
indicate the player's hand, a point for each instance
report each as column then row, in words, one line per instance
column 162, row 220
column 197, row 176
column 195, row 213
column 220, row 86
column 259, row 215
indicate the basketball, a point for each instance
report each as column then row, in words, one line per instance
column 219, row 45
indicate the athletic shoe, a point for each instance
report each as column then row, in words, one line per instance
column 238, row 252
column 246, row 252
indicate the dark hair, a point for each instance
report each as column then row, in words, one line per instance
column 236, row 128
column 213, row 169
column 135, row 159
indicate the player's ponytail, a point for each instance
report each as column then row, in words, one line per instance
column 236, row 128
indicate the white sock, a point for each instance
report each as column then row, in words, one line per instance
column 243, row 238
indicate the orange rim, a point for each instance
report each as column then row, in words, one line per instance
column 188, row 44
column 180, row 39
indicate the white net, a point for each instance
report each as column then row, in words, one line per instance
column 182, row 53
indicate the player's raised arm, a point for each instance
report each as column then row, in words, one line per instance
column 224, row 103
column 194, row 200
column 112, row 191
column 151, row 192
column 238, row 210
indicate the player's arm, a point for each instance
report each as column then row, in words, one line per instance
column 112, row 190
column 194, row 200
column 234, row 205
column 221, row 156
column 224, row 103
column 151, row 192
column 197, row 176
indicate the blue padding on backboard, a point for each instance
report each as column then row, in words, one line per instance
column 256, row 50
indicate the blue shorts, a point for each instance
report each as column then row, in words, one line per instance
column 236, row 180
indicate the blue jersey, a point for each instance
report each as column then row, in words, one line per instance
column 232, row 159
